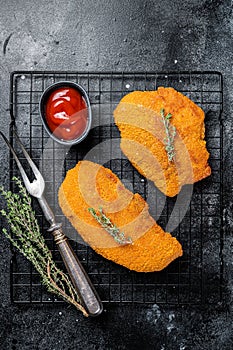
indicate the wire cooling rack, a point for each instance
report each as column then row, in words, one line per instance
column 194, row 279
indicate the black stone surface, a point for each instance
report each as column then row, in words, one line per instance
column 119, row 36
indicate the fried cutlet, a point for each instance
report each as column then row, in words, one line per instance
column 90, row 185
column 143, row 138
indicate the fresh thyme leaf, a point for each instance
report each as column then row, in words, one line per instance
column 170, row 131
column 106, row 223
column 27, row 238
column 168, row 116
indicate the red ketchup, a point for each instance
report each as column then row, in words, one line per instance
column 66, row 113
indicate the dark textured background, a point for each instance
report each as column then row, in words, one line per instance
column 117, row 35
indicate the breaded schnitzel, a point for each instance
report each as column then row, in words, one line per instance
column 144, row 138
column 91, row 185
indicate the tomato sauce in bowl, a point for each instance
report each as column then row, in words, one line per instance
column 66, row 112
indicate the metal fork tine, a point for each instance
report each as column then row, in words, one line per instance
column 21, row 169
column 30, row 161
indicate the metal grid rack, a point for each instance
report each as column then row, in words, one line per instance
column 194, row 279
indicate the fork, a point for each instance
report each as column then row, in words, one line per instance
column 78, row 275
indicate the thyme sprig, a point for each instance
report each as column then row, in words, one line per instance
column 27, row 238
column 170, row 131
column 112, row 229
